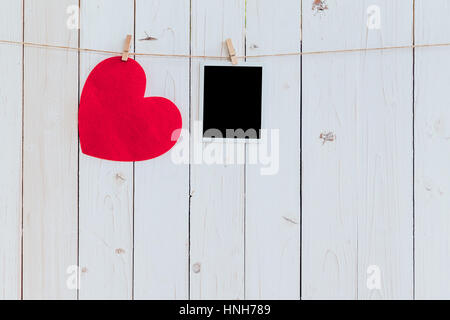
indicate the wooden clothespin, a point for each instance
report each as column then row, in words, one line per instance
column 126, row 48
column 232, row 52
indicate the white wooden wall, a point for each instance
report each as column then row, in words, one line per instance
column 377, row 194
column 358, row 189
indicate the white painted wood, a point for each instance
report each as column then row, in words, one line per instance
column 11, row 155
column 272, row 268
column 217, row 190
column 432, row 133
column 357, row 189
column 50, row 152
column 106, row 187
column 161, row 254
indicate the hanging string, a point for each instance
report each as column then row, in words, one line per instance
column 50, row 46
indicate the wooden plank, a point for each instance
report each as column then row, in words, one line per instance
column 273, row 197
column 217, row 190
column 432, row 177
column 161, row 254
column 357, row 180
column 11, row 155
column 50, row 152
column 106, row 187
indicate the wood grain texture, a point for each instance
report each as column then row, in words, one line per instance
column 50, row 152
column 11, row 155
column 432, row 134
column 240, row 237
column 273, row 201
column 161, row 185
column 357, row 184
column 106, row 187
column 217, row 190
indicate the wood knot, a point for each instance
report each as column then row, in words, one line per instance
column 327, row 137
column 120, row 177
column 196, row 267
column 319, row 5
column 120, row 251
column 148, row 38
column 290, row 220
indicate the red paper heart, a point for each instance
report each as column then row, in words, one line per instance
column 116, row 121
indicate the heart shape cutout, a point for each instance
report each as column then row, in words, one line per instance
column 116, row 122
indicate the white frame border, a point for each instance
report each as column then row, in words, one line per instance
column 201, row 92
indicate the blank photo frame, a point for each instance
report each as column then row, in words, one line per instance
column 232, row 101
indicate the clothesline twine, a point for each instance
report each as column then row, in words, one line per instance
column 50, row 46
